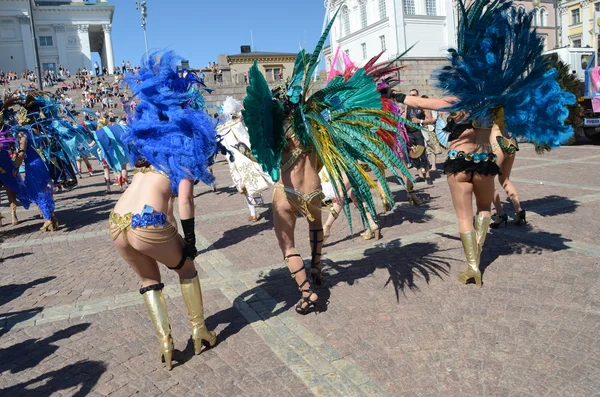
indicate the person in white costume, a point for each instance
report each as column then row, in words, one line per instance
column 246, row 173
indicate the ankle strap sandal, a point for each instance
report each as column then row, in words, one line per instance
column 316, row 272
column 305, row 304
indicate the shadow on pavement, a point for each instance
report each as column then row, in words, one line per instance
column 9, row 320
column 500, row 243
column 15, row 256
column 546, row 206
column 85, row 373
column 235, row 236
column 13, row 291
column 404, row 264
column 277, row 292
column 31, row 352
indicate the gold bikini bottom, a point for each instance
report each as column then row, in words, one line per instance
column 153, row 232
column 304, row 199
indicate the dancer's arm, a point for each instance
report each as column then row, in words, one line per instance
column 186, row 214
column 21, row 153
column 426, row 103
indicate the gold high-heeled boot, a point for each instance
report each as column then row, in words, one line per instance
column 482, row 226
column 13, row 214
column 192, row 296
column 157, row 310
column 469, row 242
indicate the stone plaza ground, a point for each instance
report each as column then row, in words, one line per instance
column 396, row 322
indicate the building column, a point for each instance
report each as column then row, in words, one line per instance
column 27, row 42
column 61, row 44
column 585, row 22
column 564, row 26
column 84, row 39
column 110, row 58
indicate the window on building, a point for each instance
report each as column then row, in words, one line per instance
column 45, row 41
column 363, row 14
column 277, row 74
column 48, row 66
column 382, row 9
column 577, row 43
column 544, row 42
column 597, row 6
column 346, row 20
column 585, row 61
column 409, row 7
column 382, row 41
column 575, row 17
column 363, row 46
column 535, row 17
column 543, row 17
column 430, row 7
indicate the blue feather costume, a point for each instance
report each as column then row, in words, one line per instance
column 168, row 129
column 498, row 64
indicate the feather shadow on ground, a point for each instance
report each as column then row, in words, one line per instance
column 405, row 264
column 526, row 241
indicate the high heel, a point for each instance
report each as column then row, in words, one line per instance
column 521, row 218
column 50, row 225
column 305, row 304
column 371, row 234
column 316, row 245
column 469, row 242
column 413, row 199
column 498, row 220
column 192, row 297
column 157, row 310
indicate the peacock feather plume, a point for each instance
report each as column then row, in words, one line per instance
column 498, row 64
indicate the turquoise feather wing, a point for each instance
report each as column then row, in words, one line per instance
column 263, row 117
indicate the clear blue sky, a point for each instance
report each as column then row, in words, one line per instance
column 199, row 30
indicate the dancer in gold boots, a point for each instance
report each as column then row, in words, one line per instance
column 522, row 96
column 171, row 142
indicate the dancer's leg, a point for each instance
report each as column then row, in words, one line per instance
column 508, row 186
column 284, row 219
column 461, row 190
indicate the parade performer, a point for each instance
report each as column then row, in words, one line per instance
column 9, row 176
column 293, row 135
column 170, row 144
column 247, row 175
column 496, row 74
column 32, row 147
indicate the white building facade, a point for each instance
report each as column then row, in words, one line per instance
column 364, row 28
column 67, row 33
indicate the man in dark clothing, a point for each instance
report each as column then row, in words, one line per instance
column 417, row 141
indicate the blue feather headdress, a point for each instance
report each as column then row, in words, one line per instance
column 498, row 64
column 168, row 129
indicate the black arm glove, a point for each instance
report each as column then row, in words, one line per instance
column 189, row 239
column 399, row 97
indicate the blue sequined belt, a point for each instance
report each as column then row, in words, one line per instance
column 473, row 156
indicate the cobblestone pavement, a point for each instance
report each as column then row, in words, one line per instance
column 397, row 322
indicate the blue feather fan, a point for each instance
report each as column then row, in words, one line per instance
column 166, row 130
column 498, row 64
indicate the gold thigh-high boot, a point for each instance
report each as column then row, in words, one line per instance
column 192, row 296
column 469, row 242
column 482, row 226
column 157, row 309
